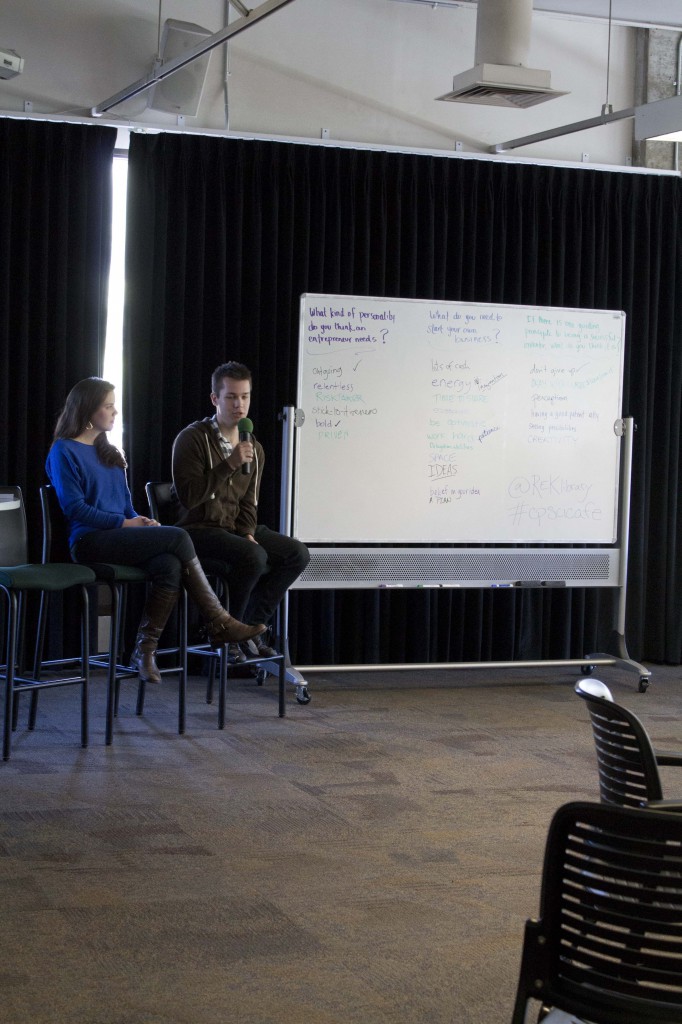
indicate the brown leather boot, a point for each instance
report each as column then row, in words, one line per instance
column 158, row 607
column 221, row 627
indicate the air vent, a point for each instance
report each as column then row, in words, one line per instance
column 500, row 76
column 502, row 86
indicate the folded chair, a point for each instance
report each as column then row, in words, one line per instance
column 18, row 579
column 627, row 762
column 607, row 947
column 165, row 507
column 117, row 578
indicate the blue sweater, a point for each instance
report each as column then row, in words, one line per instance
column 92, row 496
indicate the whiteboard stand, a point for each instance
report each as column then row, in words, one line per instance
column 617, row 642
column 355, row 568
column 291, row 675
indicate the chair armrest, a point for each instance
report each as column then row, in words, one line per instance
column 669, row 757
column 664, row 805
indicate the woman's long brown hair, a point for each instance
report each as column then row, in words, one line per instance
column 82, row 402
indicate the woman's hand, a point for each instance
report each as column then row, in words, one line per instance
column 140, row 521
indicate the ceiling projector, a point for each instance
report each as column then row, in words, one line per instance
column 11, row 64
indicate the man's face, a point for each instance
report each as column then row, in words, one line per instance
column 232, row 401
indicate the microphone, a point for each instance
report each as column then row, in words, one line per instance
column 245, row 428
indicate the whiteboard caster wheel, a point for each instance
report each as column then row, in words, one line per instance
column 586, row 670
column 643, row 684
column 302, row 695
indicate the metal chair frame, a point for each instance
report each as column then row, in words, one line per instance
column 164, row 507
column 117, row 578
column 607, row 946
column 19, row 578
column 627, row 762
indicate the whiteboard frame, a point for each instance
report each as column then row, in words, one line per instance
column 315, row 576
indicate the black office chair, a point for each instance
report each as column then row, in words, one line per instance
column 627, row 762
column 117, row 579
column 165, row 507
column 18, row 579
column 607, row 947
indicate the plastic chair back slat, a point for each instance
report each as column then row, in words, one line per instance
column 608, row 944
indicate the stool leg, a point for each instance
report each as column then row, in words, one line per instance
column 222, row 685
column 11, row 653
column 211, row 680
column 37, row 659
column 282, row 678
column 85, row 664
column 19, row 651
column 32, row 711
column 112, row 689
column 40, row 634
column 182, row 682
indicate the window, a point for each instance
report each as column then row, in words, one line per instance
column 113, row 352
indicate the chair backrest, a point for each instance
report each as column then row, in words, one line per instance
column 13, row 531
column 164, row 504
column 55, row 529
column 628, row 772
column 594, row 688
column 608, row 944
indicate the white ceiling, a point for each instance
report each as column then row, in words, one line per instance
column 665, row 14
column 366, row 71
column 638, row 13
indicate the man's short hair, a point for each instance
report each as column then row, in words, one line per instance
column 233, row 369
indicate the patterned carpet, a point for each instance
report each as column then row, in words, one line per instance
column 372, row 857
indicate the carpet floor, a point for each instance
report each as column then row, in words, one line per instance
column 371, row 858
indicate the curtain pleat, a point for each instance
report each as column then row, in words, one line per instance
column 55, row 225
column 225, row 235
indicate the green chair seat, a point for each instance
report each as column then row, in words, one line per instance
column 19, row 578
column 56, row 577
column 108, row 572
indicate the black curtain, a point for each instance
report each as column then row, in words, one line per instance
column 55, row 225
column 224, row 236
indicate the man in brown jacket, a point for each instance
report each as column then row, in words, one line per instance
column 220, row 500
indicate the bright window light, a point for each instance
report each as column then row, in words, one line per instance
column 113, row 352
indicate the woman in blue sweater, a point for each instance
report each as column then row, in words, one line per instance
column 88, row 474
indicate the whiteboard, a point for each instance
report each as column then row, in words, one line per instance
column 444, row 422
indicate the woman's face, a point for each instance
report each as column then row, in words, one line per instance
column 104, row 417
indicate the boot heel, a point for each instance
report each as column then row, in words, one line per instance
column 144, row 663
column 227, row 630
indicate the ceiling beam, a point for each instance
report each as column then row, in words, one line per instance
column 566, row 129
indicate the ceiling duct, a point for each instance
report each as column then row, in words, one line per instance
column 500, row 77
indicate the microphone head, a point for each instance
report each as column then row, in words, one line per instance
column 245, row 426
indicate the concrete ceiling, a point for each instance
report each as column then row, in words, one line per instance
column 369, row 69
column 665, row 14
column 638, row 13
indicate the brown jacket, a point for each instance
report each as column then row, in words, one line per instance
column 211, row 492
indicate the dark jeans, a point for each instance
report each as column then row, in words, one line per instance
column 159, row 550
column 260, row 574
